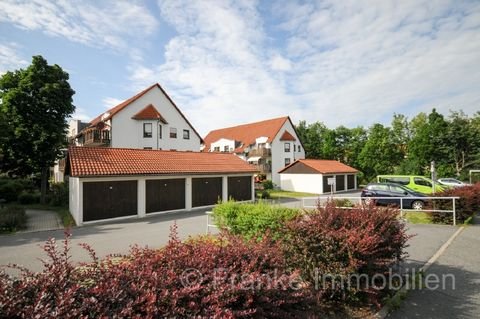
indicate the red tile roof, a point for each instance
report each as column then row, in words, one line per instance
column 99, row 161
column 246, row 134
column 149, row 113
column 286, row 136
column 125, row 103
column 323, row 166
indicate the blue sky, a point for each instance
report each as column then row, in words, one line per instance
column 231, row 62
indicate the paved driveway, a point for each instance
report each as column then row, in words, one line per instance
column 114, row 237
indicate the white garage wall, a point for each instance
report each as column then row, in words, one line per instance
column 74, row 199
column 308, row 183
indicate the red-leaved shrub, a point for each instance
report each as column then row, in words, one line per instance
column 333, row 246
column 467, row 204
column 225, row 277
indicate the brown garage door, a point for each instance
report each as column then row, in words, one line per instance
column 165, row 194
column 206, row 191
column 351, row 182
column 326, row 188
column 102, row 200
column 240, row 188
column 340, row 182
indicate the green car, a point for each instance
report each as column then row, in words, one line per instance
column 417, row 183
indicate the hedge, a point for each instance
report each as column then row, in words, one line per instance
column 334, row 246
column 12, row 218
column 196, row 279
column 466, row 206
column 253, row 220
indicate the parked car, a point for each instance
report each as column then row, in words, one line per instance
column 418, row 184
column 452, row 182
column 412, row 199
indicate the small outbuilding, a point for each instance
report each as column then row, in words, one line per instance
column 318, row 176
column 108, row 183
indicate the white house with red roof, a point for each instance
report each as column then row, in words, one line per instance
column 148, row 120
column 318, row 176
column 270, row 145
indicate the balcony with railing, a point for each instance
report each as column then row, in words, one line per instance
column 264, row 168
column 261, row 152
column 61, row 165
column 96, row 137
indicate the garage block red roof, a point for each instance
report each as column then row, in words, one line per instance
column 246, row 134
column 149, row 113
column 322, row 166
column 100, row 161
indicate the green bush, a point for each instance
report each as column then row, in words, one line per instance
column 267, row 184
column 12, row 218
column 253, row 220
column 343, row 202
column 28, row 198
column 10, row 188
column 59, row 194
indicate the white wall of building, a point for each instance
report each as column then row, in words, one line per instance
column 221, row 144
column 279, row 154
column 74, row 199
column 308, row 183
column 127, row 132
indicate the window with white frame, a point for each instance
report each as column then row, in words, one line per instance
column 287, row 161
column 173, row 132
column 147, row 129
column 287, row 147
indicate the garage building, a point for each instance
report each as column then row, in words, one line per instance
column 108, row 183
column 312, row 176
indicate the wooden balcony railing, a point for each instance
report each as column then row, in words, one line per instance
column 61, row 165
column 262, row 152
column 96, row 138
column 264, row 168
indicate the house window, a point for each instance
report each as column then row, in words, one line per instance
column 147, row 129
column 186, row 134
column 173, row 132
column 287, row 147
column 287, row 161
column 299, row 148
column 294, row 148
column 216, row 149
column 225, row 148
column 160, row 132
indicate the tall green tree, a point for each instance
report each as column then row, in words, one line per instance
column 429, row 143
column 35, row 103
column 380, row 154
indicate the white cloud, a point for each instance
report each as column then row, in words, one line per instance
column 9, row 58
column 347, row 62
column 81, row 114
column 110, row 102
column 99, row 24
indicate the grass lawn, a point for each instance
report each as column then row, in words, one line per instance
column 280, row 193
column 418, row 217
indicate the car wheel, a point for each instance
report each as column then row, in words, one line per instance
column 417, row 205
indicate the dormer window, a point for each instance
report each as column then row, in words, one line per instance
column 147, row 130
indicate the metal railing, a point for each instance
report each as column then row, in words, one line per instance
column 318, row 200
column 210, row 221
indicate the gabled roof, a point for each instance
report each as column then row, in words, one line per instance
column 149, row 113
column 246, row 134
column 114, row 110
column 321, row 166
column 106, row 161
column 286, row 136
